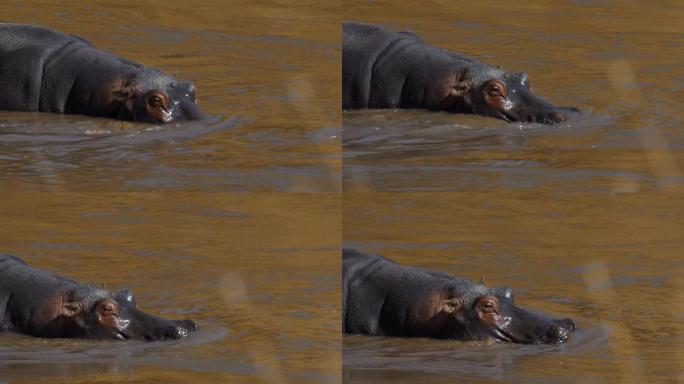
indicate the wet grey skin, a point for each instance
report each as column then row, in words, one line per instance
column 383, row 298
column 39, row 303
column 385, row 69
column 49, row 71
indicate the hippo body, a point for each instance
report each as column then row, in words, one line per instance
column 39, row 303
column 385, row 69
column 45, row 70
column 383, row 298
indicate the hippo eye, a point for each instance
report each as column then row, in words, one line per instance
column 497, row 90
column 489, row 307
column 156, row 101
column 107, row 309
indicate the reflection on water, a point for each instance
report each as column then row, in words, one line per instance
column 583, row 219
column 441, row 360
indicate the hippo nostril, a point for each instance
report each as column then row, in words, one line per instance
column 177, row 332
column 557, row 334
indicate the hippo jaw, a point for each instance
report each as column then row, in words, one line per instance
column 556, row 333
column 507, row 96
column 494, row 315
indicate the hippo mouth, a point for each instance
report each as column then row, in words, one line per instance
column 555, row 335
column 503, row 115
column 545, row 119
column 121, row 335
column 503, row 336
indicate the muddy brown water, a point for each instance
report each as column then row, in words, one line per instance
column 583, row 219
column 233, row 221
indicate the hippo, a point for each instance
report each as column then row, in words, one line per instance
column 39, row 303
column 385, row 69
column 383, row 298
column 48, row 71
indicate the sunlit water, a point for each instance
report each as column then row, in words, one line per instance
column 583, row 219
column 233, row 221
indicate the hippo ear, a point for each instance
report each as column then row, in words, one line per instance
column 453, row 305
column 504, row 291
column 73, row 303
column 520, row 78
column 71, row 308
column 461, row 88
column 122, row 94
column 124, row 89
column 125, row 295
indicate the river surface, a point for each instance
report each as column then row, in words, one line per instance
column 233, row 221
column 584, row 219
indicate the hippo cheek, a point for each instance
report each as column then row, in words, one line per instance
column 120, row 329
column 111, row 327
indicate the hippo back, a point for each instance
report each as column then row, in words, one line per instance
column 362, row 46
column 385, row 69
column 50, row 71
column 380, row 295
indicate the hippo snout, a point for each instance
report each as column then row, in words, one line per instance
column 562, row 114
column 556, row 116
column 180, row 329
column 569, row 324
column 557, row 334
column 176, row 333
column 187, row 324
column 560, row 332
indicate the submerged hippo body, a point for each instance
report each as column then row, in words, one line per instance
column 38, row 303
column 45, row 70
column 383, row 298
column 384, row 69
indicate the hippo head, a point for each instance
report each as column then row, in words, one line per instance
column 508, row 96
column 493, row 315
column 95, row 315
column 154, row 97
